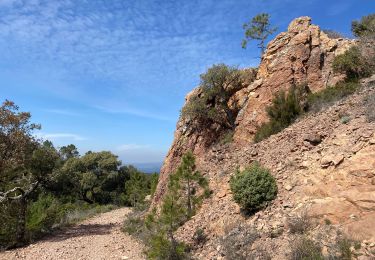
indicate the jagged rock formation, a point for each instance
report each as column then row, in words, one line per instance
column 303, row 54
column 324, row 166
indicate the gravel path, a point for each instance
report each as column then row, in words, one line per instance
column 99, row 237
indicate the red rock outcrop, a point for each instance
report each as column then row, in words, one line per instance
column 303, row 54
column 324, row 165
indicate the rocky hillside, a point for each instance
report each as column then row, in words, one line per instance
column 324, row 163
column 324, row 168
column 303, row 54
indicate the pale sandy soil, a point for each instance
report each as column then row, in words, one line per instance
column 99, row 237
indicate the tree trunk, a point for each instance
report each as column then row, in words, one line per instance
column 173, row 253
column 85, row 198
column 262, row 48
column 21, row 222
column 230, row 117
column 189, row 198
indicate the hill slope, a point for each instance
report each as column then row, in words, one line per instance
column 303, row 54
column 332, row 181
column 324, row 163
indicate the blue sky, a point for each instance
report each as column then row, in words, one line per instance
column 112, row 74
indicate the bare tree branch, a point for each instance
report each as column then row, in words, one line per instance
column 24, row 193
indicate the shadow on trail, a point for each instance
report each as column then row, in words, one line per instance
column 81, row 231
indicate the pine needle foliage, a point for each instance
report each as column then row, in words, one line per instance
column 259, row 28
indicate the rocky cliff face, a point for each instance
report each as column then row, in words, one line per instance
column 303, row 54
column 324, row 166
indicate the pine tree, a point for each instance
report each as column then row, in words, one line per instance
column 259, row 28
column 190, row 178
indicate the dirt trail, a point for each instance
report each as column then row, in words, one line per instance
column 99, row 237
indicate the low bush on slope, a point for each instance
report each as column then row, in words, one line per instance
column 253, row 187
column 286, row 108
column 328, row 96
column 352, row 63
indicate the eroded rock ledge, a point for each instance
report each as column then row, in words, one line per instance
column 303, row 54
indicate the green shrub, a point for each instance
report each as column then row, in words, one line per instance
column 162, row 248
column 268, row 129
column 227, row 138
column 328, row 96
column 345, row 119
column 364, row 27
column 352, row 64
column 8, row 212
column 344, row 246
column 42, row 215
column 80, row 211
column 286, row 108
column 365, row 31
column 306, row 249
column 199, row 236
column 133, row 225
column 327, row 221
column 217, row 85
column 253, row 187
column 283, row 111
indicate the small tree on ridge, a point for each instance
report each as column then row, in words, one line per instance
column 259, row 28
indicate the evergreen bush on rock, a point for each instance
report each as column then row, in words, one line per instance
column 253, row 187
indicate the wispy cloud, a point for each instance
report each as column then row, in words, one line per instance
column 62, row 112
column 105, row 39
column 134, row 112
column 58, row 136
column 128, row 46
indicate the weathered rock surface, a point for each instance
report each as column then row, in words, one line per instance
column 342, row 192
column 303, row 54
column 322, row 166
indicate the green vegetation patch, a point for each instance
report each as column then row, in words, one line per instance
column 283, row 111
column 306, row 249
column 328, row 96
column 253, row 187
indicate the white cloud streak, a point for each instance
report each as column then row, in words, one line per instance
column 62, row 112
column 134, row 112
column 59, row 136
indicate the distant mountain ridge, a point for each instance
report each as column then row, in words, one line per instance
column 151, row 167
